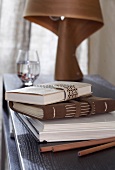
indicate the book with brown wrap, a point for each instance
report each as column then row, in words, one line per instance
column 83, row 106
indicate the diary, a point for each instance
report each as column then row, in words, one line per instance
column 49, row 93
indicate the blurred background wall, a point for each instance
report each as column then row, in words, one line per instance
column 102, row 45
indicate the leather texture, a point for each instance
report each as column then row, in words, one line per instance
column 83, row 106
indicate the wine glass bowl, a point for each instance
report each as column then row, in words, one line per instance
column 28, row 66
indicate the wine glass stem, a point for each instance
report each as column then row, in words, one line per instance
column 29, row 70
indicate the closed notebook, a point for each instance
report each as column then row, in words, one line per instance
column 83, row 128
column 49, row 93
column 83, row 106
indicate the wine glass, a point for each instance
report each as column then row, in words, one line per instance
column 28, row 66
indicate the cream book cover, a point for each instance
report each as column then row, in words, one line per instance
column 49, row 92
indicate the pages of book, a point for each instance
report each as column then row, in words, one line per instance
column 75, row 129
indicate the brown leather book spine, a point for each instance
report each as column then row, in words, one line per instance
column 73, row 108
column 54, row 111
column 99, row 105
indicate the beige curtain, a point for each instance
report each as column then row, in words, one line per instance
column 45, row 42
column 102, row 45
column 14, row 33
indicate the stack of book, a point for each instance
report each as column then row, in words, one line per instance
column 63, row 111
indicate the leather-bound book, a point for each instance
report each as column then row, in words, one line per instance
column 83, row 106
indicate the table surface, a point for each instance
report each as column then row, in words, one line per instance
column 23, row 152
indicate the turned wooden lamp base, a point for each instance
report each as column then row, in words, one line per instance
column 81, row 19
column 62, row 74
column 67, row 67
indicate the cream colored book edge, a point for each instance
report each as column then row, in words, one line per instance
column 33, row 98
column 45, row 94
